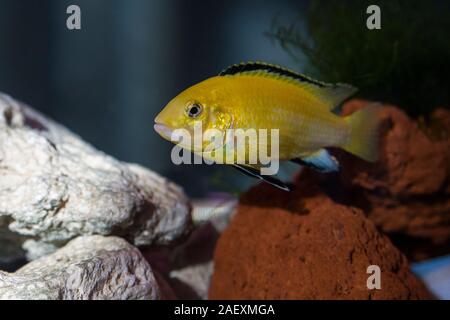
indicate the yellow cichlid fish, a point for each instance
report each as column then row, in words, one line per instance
column 259, row 95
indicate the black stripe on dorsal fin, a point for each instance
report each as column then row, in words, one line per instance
column 248, row 67
column 331, row 95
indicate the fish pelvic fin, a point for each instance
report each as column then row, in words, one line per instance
column 363, row 140
column 255, row 173
column 321, row 161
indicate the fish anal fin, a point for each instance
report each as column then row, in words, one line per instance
column 255, row 173
column 320, row 160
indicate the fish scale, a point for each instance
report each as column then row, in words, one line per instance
column 303, row 121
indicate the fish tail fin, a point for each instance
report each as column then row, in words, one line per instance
column 364, row 133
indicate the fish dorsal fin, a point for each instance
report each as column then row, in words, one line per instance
column 330, row 94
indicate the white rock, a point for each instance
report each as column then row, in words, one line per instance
column 196, row 277
column 54, row 187
column 188, row 267
column 89, row 267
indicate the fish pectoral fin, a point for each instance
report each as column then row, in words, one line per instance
column 255, row 173
column 320, row 160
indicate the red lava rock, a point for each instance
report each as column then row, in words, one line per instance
column 407, row 192
column 303, row 245
column 411, row 162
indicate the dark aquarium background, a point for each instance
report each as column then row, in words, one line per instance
column 107, row 81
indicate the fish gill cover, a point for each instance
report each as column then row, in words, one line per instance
column 406, row 62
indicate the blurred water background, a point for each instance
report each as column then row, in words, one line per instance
column 107, row 81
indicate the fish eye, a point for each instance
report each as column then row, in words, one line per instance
column 194, row 110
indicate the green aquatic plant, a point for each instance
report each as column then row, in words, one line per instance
column 406, row 62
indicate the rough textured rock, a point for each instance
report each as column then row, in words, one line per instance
column 192, row 282
column 303, row 245
column 54, row 187
column 89, row 267
column 188, row 266
column 407, row 192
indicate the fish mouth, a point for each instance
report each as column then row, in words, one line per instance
column 163, row 130
column 167, row 133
